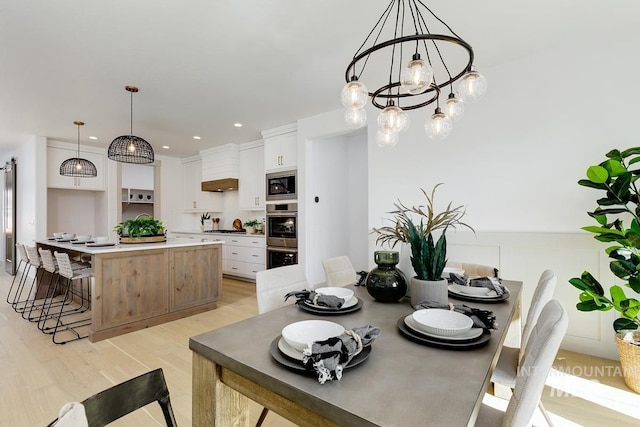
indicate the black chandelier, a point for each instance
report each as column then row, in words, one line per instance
column 130, row 148
column 76, row 166
column 418, row 72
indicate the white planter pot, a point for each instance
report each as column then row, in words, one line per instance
column 426, row 290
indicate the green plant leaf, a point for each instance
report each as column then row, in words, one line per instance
column 634, row 283
column 617, row 295
column 591, row 184
column 623, row 325
column 621, row 185
column 603, row 230
column 588, row 306
column 614, row 154
column 630, row 151
column 613, row 166
column 597, row 174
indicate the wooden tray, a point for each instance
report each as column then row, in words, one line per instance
column 144, row 239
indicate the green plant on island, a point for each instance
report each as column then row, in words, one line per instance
column 618, row 222
column 251, row 223
column 139, row 227
column 204, row 217
column 428, row 256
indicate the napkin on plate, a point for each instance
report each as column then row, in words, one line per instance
column 329, row 357
column 71, row 415
column 493, row 283
column 484, row 319
column 315, row 298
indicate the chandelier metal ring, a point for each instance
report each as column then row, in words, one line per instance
column 350, row 72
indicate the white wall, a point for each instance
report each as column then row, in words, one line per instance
column 514, row 160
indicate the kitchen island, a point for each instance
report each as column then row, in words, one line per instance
column 136, row 286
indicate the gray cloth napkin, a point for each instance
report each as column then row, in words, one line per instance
column 493, row 283
column 315, row 298
column 329, row 357
column 484, row 319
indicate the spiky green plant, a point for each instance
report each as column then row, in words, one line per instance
column 428, row 257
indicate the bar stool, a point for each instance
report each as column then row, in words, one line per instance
column 43, row 310
column 21, row 306
column 24, row 264
column 66, row 278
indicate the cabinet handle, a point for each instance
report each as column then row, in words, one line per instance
column 234, row 253
column 234, row 268
column 255, row 256
column 195, row 204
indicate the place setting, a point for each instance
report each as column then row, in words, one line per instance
column 326, row 301
column 322, row 348
column 452, row 326
column 480, row 289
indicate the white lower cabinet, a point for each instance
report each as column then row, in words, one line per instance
column 243, row 256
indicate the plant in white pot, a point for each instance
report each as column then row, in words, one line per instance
column 618, row 224
column 428, row 256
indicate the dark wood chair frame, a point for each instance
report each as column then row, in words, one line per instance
column 115, row 402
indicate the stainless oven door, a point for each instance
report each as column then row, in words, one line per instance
column 282, row 229
column 279, row 257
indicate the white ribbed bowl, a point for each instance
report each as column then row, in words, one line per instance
column 343, row 293
column 83, row 237
column 473, row 290
column 442, row 322
column 300, row 334
column 68, row 236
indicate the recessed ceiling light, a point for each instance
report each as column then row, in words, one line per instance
column 166, row 147
column 93, row 137
column 196, row 137
column 238, row 125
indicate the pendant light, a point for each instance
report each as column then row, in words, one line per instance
column 131, row 148
column 76, row 166
column 424, row 57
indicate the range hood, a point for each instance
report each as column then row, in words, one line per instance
column 220, row 185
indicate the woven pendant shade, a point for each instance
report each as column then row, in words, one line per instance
column 130, row 148
column 76, row 166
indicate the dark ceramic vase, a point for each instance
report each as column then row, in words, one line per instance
column 386, row 283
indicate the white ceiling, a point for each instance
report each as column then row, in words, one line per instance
column 202, row 65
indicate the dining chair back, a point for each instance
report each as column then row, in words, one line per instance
column 274, row 283
column 115, row 402
column 541, row 296
column 539, row 354
column 475, row 270
column 271, row 287
column 339, row 271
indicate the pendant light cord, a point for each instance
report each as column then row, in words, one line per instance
column 131, row 115
column 78, row 141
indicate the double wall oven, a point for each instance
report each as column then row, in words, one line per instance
column 282, row 234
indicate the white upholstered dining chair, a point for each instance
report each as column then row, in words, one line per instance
column 339, row 271
column 511, row 358
column 271, row 287
column 475, row 270
column 539, row 354
column 274, row 283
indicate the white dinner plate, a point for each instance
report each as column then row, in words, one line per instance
column 353, row 301
column 455, row 290
column 470, row 334
column 96, row 245
column 291, row 352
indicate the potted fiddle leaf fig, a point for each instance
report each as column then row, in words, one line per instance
column 617, row 218
column 428, row 256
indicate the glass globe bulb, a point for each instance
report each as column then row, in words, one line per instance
column 354, row 95
column 393, row 120
column 355, row 117
column 439, row 126
column 386, row 140
column 416, row 75
column 453, row 107
column 472, row 87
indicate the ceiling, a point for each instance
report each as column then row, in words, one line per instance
column 203, row 65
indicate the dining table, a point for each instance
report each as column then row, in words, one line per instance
column 401, row 382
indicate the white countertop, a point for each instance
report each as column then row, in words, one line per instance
column 127, row 247
column 217, row 233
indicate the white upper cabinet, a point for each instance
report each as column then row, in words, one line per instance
column 195, row 200
column 58, row 152
column 251, row 184
column 281, row 148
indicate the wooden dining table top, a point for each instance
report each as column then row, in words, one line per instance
column 402, row 383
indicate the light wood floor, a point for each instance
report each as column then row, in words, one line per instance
column 38, row 377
